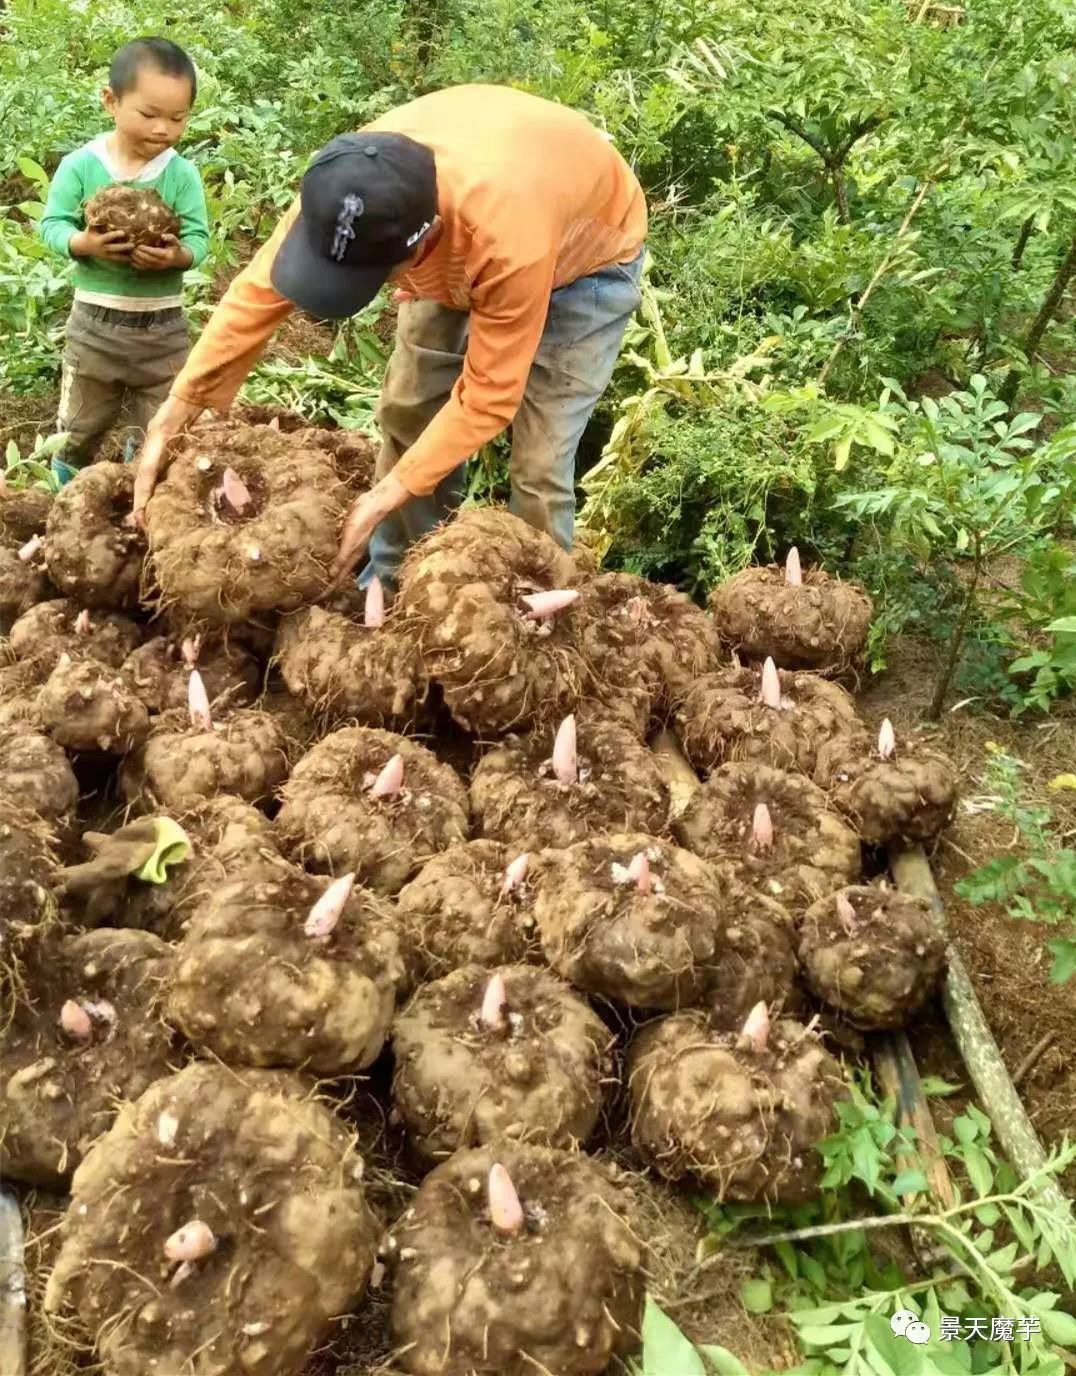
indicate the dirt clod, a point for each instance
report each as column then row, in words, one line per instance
column 537, row 1077
column 563, row 1295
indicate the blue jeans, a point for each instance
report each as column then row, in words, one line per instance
column 573, row 365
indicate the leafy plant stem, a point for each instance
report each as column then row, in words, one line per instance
column 945, row 678
column 880, row 272
column 1050, row 303
column 1021, row 243
column 833, row 158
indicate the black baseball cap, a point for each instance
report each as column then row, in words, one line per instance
column 366, row 202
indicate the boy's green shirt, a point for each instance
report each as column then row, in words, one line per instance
column 87, row 171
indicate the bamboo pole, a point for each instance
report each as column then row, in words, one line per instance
column 898, row 1076
column 973, row 1037
column 12, row 1289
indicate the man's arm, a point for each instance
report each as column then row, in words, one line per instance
column 229, row 346
column 508, row 315
column 238, row 330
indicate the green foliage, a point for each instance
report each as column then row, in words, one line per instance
column 666, row 1352
column 342, row 388
column 840, row 1289
column 967, row 478
column 1036, row 883
column 967, row 483
column 33, row 469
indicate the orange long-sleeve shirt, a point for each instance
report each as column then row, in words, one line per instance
column 531, row 197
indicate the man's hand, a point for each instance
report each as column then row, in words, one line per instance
column 171, row 420
column 111, row 246
column 367, row 513
column 172, row 255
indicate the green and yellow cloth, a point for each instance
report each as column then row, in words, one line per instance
column 145, row 850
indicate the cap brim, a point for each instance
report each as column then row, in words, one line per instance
column 328, row 290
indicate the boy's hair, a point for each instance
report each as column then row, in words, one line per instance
column 160, row 53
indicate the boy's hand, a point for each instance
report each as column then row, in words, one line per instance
column 111, row 246
column 171, row 420
column 172, row 255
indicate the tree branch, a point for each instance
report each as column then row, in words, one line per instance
column 804, row 134
column 848, row 1225
column 1021, row 243
column 840, row 191
column 1038, row 325
column 863, row 127
column 956, row 641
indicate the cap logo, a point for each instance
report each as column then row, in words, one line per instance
column 412, row 239
column 350, row 211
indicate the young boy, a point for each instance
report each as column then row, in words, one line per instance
column 127, row 334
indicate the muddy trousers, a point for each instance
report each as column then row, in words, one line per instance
column 578, row 349
column 112, row 357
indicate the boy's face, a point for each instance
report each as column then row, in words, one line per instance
column 153, row 114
